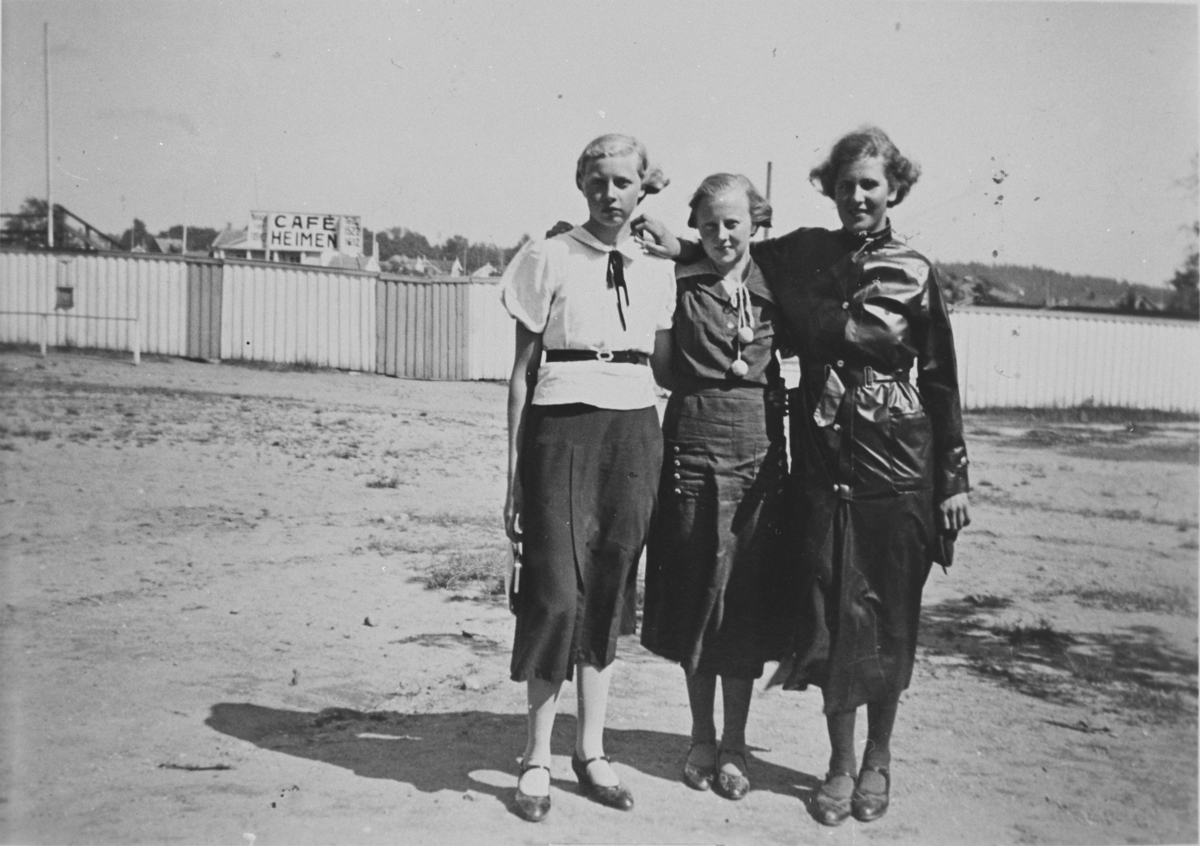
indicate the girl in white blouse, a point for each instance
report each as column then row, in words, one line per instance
column 585, row 450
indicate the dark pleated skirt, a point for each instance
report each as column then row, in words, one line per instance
column 590, row 476
column 715, row 570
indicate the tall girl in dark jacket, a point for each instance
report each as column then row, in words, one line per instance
column 879, row 462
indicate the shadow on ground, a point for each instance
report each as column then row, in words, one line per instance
column 1136, row 666
column 440, row 751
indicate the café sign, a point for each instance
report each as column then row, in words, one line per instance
column 307, row 232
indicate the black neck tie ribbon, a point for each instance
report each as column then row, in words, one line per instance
column 616, row 279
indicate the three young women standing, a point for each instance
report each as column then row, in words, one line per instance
column 879, row 471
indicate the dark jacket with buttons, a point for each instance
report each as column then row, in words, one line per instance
column 874, row 449
column 705, row 331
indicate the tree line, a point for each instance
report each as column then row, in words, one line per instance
column 964, row 283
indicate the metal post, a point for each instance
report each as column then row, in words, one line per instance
column 45, row 333
column 766, row 230
column 49, row 197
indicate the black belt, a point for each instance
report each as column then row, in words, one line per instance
column 857, row 376
column 618, row 356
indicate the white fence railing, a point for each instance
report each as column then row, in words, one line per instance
column 294, row 314
column 1038, row 359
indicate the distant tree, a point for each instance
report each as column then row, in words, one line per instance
column 456, row 247
column 31, row 213
column 200, row 238
column 1185, row 299
column 955, row 289
column 137, row 238
column 512, row 251
column 403, row 242
column 27, row 226
column 398, row 241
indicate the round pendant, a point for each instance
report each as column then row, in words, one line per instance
column 739, row 368
column 745, row 334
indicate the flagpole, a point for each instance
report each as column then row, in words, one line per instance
column 49, row 197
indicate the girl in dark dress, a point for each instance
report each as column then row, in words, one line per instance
column 713, row 555
column 585, row 450
column 879, row 465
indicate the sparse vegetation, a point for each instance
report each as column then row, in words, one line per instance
column 1041, row 634
column 987, row 601
column 392, row 481
column 483, row 568
column 1163, row 601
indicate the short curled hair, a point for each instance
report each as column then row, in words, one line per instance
column 653, row 179
column 864, row 143
column 720, row 183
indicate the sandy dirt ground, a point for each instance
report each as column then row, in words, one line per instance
column 216, row 627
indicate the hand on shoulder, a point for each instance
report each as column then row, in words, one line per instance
column 655, row 238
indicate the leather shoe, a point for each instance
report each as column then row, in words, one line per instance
column 699, row 776
column 868, row 806
column 531, row 808
column 617, row 796
column 733, row 785
column 829, row 808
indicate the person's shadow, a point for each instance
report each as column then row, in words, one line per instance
column 435, row 752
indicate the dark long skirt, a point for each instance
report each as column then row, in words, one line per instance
column 714, row 570
column 866, row 562
column 589, row 476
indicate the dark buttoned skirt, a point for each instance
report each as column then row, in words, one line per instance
column 716, row 580
column 590, row 476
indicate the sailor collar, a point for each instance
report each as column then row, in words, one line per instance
column 627, row 248
column 703, row 267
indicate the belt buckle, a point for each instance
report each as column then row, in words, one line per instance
column 604, row 355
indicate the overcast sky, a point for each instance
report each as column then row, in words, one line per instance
column 1049, row 133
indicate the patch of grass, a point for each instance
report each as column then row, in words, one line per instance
column 987, row 601
column 1042, row 634
column 455, row 518
column 1167, row 705
column 998, row 496
column 405, row 546
column 273, row 366
column 1085, row 413
column 1085, row 668
column 1167, row 601
column 484, row 568
column 1080, row 436
column 392, row 481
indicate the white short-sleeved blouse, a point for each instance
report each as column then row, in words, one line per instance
column 559, row 288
